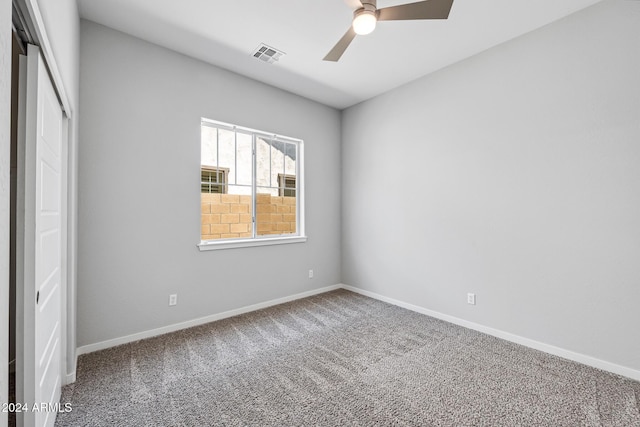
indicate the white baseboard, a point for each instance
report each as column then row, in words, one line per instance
column 196, row 322
column 547, row 348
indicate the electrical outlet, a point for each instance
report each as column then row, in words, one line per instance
column 310, row 274
column 173, row 299
column 471, row 299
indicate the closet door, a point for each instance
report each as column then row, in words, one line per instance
column 40, row 258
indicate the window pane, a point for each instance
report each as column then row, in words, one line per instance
column 274, row 214
column 278, row 163
column 227, row 152
column 208, row 148
column 227, row 216
column 226, row 190
column 290, row 160
column 266, row 163
column 244, row 160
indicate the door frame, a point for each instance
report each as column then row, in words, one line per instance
column 5, row 197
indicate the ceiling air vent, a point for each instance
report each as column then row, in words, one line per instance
column 267, row 54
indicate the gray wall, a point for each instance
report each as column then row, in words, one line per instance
column 139, row 197
column 513, row 174
column 5, row 165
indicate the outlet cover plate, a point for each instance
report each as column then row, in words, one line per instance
column 471, row 299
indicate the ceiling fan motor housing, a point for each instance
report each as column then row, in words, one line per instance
column 366, row 9
column 369, row 2
column 368, row 6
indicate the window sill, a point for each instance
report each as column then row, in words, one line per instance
column 232, row 244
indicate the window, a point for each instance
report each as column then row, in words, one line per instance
column 287, row 185
column 213, row 180
column 250, row 187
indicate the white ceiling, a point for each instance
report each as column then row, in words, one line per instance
column 225, row 33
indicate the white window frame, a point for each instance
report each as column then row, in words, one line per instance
column 267, row 240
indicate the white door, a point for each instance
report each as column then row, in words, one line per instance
column 40, row 255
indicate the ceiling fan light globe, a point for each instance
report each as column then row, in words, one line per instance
column 364, row 22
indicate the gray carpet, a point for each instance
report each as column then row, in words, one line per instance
column 340, row 359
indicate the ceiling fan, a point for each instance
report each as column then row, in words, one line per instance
column 366, row 15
